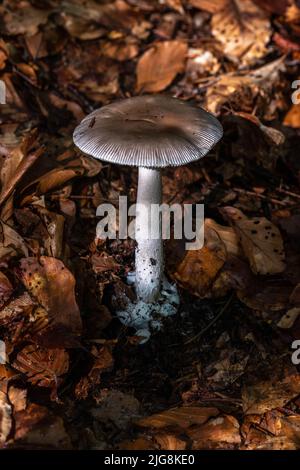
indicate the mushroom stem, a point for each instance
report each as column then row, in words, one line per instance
column 149, row 249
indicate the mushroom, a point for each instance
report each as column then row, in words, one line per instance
column 150, row 132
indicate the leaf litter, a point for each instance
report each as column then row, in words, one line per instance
column 219, row 375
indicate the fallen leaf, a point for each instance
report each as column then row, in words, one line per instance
column 168, row 441
column 52, row 285
column 182, row 417
column 103, row 361
column 102, row 262
column 196, row 270
column 11, row 243
column 261, row 241
column 23, row 18
column 289, row 318
column 218, row 433
column 118, row 408
column 176, row 5
column 36, row 427
column 5, row 417
column 6, row 289
column 43, row 367
column 292, row 117
column 160, row 64
column 243, row 29
column 212, row 6
column 18, row 398
column 281, row 386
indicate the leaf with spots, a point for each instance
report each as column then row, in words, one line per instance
column 261, row 241
column 243, row 29
column 52, row 285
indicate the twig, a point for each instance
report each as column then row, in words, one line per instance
column 288, row 193
column 260, row 196
column 204, row 330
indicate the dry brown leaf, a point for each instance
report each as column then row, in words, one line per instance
column 141, row 443
column 11, row 243
column 6, row 289
column 281, row 385
column 160, row 64
column 212, row 6
column 266, row 295
column 18, row 398
column 120, row 51
column 21, row 306
column 176, row 5
column 218, row 433
column 53, row 225
column 52, row 285
column 117, row 408
column 5, row 417
column 243, row 29
column 17, row 164
column 240, row 91
column 289, row 318
column 3, row 54
column 198, row 269
column 23, row 18
column 103, row 362
column 182, row 417
column 102, row 262
column 36, row 427
column 292, row 117
column 43, row 367
column 227, row 235
column 168, row 441
column 261, row 241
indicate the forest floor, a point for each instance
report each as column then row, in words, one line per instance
column 222, row 373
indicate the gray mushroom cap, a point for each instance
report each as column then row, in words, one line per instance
column 152, row 131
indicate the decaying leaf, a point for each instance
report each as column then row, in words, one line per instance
column 38, row 428
column 239, row 91
column 117, row 408
column 168, row 441
column 6, row 289
column 243, row 30
column 11, row 243
column 103, row 362
column 160, row 64
column 52, row 285
column 182, row 417
column 212, row 6
column 196, row 270
column 5, row 417
column 43, row 367
column 23, row 18
column 281, row 386
column 218, row 433
column 292, row 117
column 261, row 241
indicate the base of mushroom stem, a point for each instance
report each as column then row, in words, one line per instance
column 145, row 317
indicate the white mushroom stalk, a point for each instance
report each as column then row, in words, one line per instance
column 149, row 249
